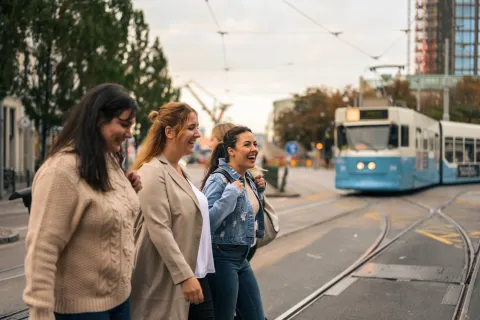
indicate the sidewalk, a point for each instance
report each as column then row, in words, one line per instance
column 9, row 210
column 272, row 192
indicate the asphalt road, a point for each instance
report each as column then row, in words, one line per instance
column 418, row 276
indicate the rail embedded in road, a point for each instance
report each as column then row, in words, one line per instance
column 372, row 252
column 305, row 303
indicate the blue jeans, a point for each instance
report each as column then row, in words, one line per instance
column 234, row 284
column 120, row 312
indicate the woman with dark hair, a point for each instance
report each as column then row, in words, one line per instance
column 236, row 221
column 80, row 235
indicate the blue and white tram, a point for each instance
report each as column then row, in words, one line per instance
column 385, row 149
column 461, row 152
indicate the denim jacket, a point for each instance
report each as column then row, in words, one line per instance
column 231, row 212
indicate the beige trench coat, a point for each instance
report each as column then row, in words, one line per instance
column 167, row 246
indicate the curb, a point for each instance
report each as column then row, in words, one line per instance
column 282, row 195
column 8, row 235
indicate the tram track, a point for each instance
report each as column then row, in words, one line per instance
column 470, row 268
column 472, row 262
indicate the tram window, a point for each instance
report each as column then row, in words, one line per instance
column 425, row 141
column 458, row 150
column 430, row 141
column 405, row 136
column 418, row 137
column 341, row 138
column 477, row 144
column 449, row 149
column 393, row 137
column 437, row 141
column 469, row 150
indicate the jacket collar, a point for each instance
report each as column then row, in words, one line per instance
column 224, row 165
column 177, row 177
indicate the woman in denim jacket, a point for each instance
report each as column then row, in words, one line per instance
column 236, row 220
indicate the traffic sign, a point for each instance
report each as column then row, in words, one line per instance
column 291, row 148
column 24, row 122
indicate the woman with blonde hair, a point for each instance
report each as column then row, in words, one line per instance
column 174, row 253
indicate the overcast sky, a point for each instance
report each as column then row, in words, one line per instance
column 266, row 36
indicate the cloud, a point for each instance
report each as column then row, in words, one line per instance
column 273, row 36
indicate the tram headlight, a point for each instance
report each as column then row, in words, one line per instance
column 360, row 166
column 371, row 165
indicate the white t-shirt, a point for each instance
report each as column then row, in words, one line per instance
column 256, row 207
column 205, row 263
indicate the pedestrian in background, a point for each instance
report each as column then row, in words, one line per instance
column 174, row 252
column 236, row 220
column 80, row 235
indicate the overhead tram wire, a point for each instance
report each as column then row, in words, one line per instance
column 335, row 34
column 224, row 47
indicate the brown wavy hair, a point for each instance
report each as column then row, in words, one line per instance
column 172, row 114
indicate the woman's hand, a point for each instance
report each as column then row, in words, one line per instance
column 192, row 291
column 260, row 182
column 135, row 180
column 238, row 184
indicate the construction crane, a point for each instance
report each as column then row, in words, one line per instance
column 212, row 113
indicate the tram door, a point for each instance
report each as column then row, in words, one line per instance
column 418, row 149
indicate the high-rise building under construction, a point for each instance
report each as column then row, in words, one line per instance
column 456, row 20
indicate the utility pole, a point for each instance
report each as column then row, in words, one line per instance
column 408, row 31
column 419, row 93
column 360, row 93
column 446, row 91
column 1, row 150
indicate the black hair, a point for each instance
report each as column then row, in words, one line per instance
column 221, row 150
column 82, row 132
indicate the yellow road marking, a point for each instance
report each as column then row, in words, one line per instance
column 373, row 215
column 341, row 206
column 317, row 196
column 450, row 235
column 431, row 235
column 468, row 202
column 474, row 234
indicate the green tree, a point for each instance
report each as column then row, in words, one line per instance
column 312, row 115
column 71, row 47
column 14, row 19
column 400, row 94
column 147, row 74
column 465, row 101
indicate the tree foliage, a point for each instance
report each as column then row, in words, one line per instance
column 14, row 19
column 312, row 115
column 400, row 94
column 147, row 73
column 70, row 47
column 67, row 47
column 465, row 101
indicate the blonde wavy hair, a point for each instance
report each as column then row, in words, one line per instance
column 172, row 114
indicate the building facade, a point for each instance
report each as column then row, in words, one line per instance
column 18, row 138
column 455, row 20
column 279, row 106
